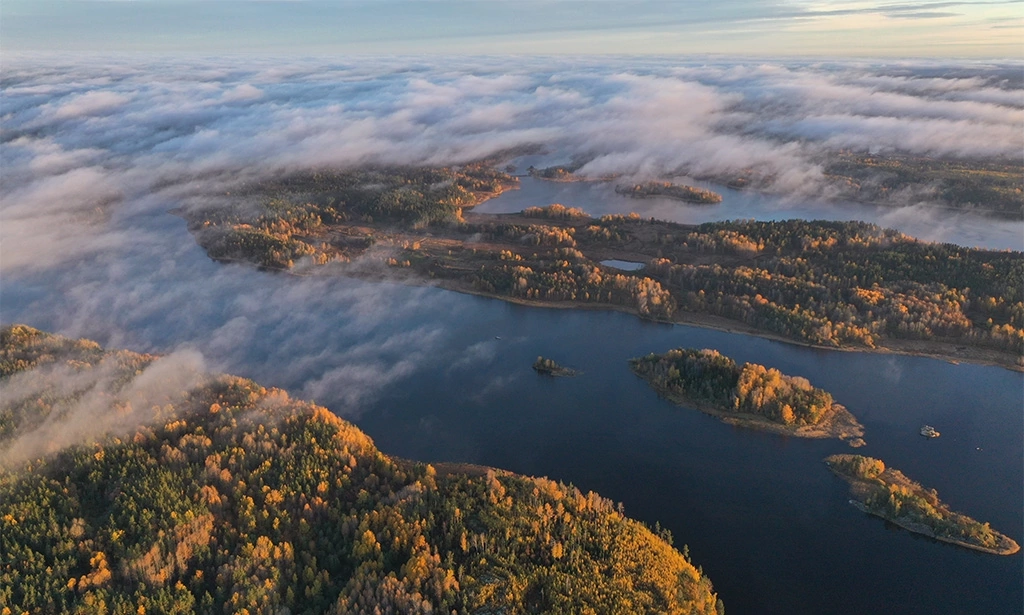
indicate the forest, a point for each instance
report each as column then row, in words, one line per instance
column 850, row 283
column 993, row 187
column 832, row 284
column 708, row 376
column 232, row 497
column 888, row 493
column 295, row 210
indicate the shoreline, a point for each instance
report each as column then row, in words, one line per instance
column 719, row 323
column 687, row 319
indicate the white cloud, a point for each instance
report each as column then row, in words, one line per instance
column 90, row 103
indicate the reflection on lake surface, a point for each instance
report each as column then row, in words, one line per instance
column 423, row 372
column 599, row 198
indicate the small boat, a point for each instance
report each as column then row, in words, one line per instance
column 929, row 432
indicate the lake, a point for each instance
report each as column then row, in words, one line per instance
column 422, row 372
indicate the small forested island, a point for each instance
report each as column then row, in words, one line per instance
column 680, row 192
column 750, row 395
column 847, row 285
column 556, row 173
column 226, row 496
column 565, row 173
column 887, row 493
column 548, row 367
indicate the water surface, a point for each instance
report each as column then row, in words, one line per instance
column 623, row 265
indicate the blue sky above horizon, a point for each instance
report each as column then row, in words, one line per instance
column 857, row 28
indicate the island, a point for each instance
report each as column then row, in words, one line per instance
column 889, row 494
column 844, row 285
column 548, row 367
column 750, row 395
column 558, row 173
column 227, row 496
column 679, row 192
column 565, row 174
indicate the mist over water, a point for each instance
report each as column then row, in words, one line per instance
column 95, row 156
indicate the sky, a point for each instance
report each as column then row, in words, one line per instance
column 750, row 28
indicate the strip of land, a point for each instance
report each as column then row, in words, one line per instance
column 679, row 192
column 889, row 494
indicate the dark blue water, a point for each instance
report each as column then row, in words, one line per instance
column 422, row 372
column 760, row 512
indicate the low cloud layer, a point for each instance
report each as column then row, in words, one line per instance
column 96, row 153
column 85, row 412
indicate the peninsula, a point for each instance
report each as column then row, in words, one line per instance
column 679, row 192
column 889, row 494
column 226, row 496
column 750, row 395
column 848, row 285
